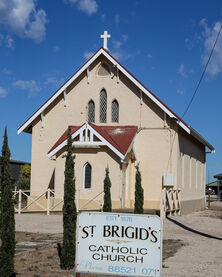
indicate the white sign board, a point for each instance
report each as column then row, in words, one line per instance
column 119, row 244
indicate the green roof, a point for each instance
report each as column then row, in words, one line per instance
column 214, row 184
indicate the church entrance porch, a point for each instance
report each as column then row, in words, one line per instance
column 97, row 148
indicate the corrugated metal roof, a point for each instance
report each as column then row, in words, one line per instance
column 119, row 137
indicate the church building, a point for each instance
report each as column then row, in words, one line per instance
column 115, row 122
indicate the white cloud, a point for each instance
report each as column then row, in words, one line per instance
column 56, row 48
column 180, row 91
column 87, row 55
column 125, row 37
column 23, row 19
column 6, row 41
column 9, row 42
column 190, row 43
column 117, row 44
column 53, row 82
column 215, row 65
column 87, row 6
column 3, row 92
column 117, row 55
column 103, row 17
column 116, row 19
column 30, row 86
column 36, row 30
column 6, row 71
column 117, row 50
column 181, row 70
column 1, row 39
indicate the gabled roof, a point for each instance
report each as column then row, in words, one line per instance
column 214, row 184
column 118, row 139
column 27, row 124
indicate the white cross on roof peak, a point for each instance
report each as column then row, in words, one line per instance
column 105, row 37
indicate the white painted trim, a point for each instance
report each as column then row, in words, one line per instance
column 121, row 185
column 64, row 143
column 82, row 143
column 88, row 75
column 164, row 114
column 144, row 90
column 117, row 75
column 64, row 95
column 141, row 98
column 106, row 142
column 81, row 137
column 42, row 119
column 76, row 75
column 86, row 133
column 91, row 136
column 135, row 147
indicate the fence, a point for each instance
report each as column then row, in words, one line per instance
column 170, row 202
column 23, row 201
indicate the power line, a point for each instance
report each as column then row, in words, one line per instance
column 195, row 92
column 202, row 75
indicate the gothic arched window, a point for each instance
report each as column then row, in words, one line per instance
column 115, row 111
column 87, row 176
column 103, row 106
column 91, row 111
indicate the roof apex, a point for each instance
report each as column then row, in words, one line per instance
column 26, row 125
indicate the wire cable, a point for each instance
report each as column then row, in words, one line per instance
column 202, row 75
column 195, row 92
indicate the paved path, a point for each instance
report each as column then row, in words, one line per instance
column 39, row 223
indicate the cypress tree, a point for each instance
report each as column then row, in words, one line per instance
column 7, row 219
column 139, row 198
column 107, row 204
column 69, row 210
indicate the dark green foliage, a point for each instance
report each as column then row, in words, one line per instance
column 139, row 198
column 107, row 205
column 69, row 210
column 24, row 177
column 7, row 220
column 23, row 183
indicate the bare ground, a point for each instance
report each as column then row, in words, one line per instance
column 192, row 245
column 202, row 234
column 37, row 255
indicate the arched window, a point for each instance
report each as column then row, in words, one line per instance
column 87, row 176
column 103, row 106
column 91, row 111
column 115, row 111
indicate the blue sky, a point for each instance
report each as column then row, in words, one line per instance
column 165, row 44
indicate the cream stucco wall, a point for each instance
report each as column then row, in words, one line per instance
column 158, row 152
column 99, row 160
column 191, row 168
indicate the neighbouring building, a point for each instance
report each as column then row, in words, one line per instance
column 217, row 186
column 15, row 169
column 117, row 122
